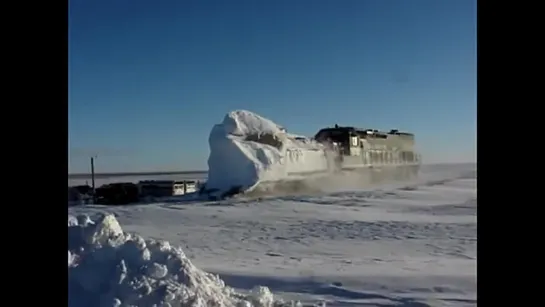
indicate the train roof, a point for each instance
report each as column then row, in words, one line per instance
column 363, row 131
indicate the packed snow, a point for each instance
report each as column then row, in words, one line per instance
column 397, row 244
column 108, row 267
column 258, row 150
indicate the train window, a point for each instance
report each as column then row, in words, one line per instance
column 335, row 136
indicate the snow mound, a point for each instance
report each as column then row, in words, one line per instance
column 107, row 267
column 247, row 150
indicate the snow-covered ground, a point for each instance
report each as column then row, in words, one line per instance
column 409, row 244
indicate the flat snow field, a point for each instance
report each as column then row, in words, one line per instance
column 409, row 244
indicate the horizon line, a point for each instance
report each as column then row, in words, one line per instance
column 129, row 174
column 193, row 172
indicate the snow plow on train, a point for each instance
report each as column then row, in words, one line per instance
column 251, row 155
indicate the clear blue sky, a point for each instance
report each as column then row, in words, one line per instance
column 149, row 79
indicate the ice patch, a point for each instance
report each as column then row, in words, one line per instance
column 247, row 149
column 107, row 267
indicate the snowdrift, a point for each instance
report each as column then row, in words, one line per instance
column 107, row 267
column 247, row 150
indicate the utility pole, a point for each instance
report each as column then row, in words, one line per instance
column 93, row 179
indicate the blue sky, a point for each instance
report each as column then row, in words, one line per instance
column 149, row 79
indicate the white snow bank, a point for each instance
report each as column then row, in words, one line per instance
column 107, row 267
column 247, row 149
